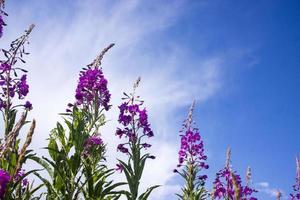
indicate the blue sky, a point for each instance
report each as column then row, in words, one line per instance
column 238, row 59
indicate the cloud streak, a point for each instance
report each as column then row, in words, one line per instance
column 265, row 187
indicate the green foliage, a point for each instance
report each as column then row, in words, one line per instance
column 193, row 189
column 133, row 170
column 73, row 173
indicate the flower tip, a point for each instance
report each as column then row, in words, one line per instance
column 119, row 168
column 70, row 105
column 28, row 105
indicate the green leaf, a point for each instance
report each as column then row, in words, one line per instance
column 53, row 149
column 109, row 190
column 51, row 191
column 146, row 194
column 43, row 163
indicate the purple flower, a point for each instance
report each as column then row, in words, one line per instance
column 28, row 105
column 122, row 148
column 4, row 67
column 228, row 184
column 124, row 119
column 11, row 84
column 132, row 114
column 23, row 87
column 203, row 177
column 135, row 129
column 93, row 141
column 191, row 147
column 119, row 168
column 92, row 87
column 120, row 132
column 70, row 105
column 4, row 179
column 19, row 175
column 191, row 162
column 146, row 145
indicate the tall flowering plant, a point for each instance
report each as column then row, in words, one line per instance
column 296, row 188
column 228, row 184
column 77, row 166
column 13, row 91
column 192, row 161
column 136, row 130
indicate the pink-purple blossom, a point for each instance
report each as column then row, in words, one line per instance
column 28, row 105
column 191, row 151
column 133, row 114
column 11, row 84
column 19, row 175
column 119, row 168
column 92, row 87
column 122, row 149
column 228, row 184
column 4, row 180
column 94, row 140
column 91, row 142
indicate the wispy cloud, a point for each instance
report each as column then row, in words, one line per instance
column 265, row 187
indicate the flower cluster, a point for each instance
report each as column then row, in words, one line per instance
column 92, row 142
column 92, row 87
column 228, row 184
column 192, row 149
column 131, row 114
column 4, row 179
column 296, row 187
column 19, row 175
column 136, row 129
column 11, row 84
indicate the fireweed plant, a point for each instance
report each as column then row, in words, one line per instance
column 77, row 167
column 228, row 184
column 191, row 161
column 13, row 91
column 296, row 188
column 136, row 130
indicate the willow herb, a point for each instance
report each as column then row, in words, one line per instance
column 77, row 166
column 228, row 184
column 136, row 130
column 191, row 160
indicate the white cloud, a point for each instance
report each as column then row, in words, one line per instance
column 265, row 187
column 263, row 184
